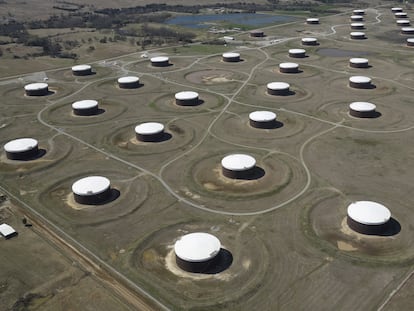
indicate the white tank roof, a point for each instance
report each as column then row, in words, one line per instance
column 186, row 95
column 288, row 65
column 362, row 106
column 197, row 247
column 403, row 21
column 312, row 19
column 85, row 104
column 231, row 55
column 20, row 145
column 359, row 11
column 81, row 67
column 309, row 39
column 91, row 185
column 369, row 213
column 357, row 60
column 357, row 34
column 396, row 9
column 262, row 116
column 128, row 79
column 297, row 51
column 149, row 128
column 159, row 59
column 357, row 24
column 360, row 79
column 399, row 14
column 238, row 162
column 278, row 86
column 6, row 230
column 408, row 29
column 411, row 40
column 357, row 17
column 36, row 86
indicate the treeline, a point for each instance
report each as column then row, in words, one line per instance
column 98, row 21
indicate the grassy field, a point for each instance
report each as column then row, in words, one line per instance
column 286, row 231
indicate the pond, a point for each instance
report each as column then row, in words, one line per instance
column 248, row 19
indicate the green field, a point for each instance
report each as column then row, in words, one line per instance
column 286, row 231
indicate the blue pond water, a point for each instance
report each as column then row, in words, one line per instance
column 249, row 19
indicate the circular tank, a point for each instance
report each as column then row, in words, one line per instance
column 36, row 89
column 312, row 21
column 309, row 41
column 407, row 31
column 186, row 98
column 85, row 107
column 92, row 190
column 357, row 35
column 360, row 82
column 149, row 132
column 278, row 88
column 262, row 119
column 21, row 149
column 368, row 217
column 297, row 53
column 160, row 61
column 357, row 26
column 231, row 57
column 82, row 70
column 129, row 82
column 288, row 67
column 238, row 166
column 358, row 62
column 196, row 252
column 362, row 110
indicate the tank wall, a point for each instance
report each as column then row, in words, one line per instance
column 129, row 85
column 85, row 72
column 93, row 199
column 150, row 138
column 86, row 112
column 367, row 229
column 25, row 155
column 238, row 174
column 187, row 102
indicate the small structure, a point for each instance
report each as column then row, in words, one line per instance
column 256, row 33
column 149, row 132
column 129, row 82
column 186, row 98
column 362, row 110
column 407, row 31
column 87, row 107
column 358, row 12
column 410, row 42
column 401, row 15
column 368, row 217
column 278, row 88
column 238, row 166
column 197, row 252
column 21, row 149
column 403, row 22
column 357, row 18
column 396, row 10
column 312, row 21
column 82, row 70
column 357, row 35
column 309, row 41
column 262, row 119
column 92, row 190
column 160, row 61
column 358, row 62
column 7, row 231
column 231, row 57
column 357, row 26
column 297, row 53
column 36, row 89
column 289, row 68
column 360, row 82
